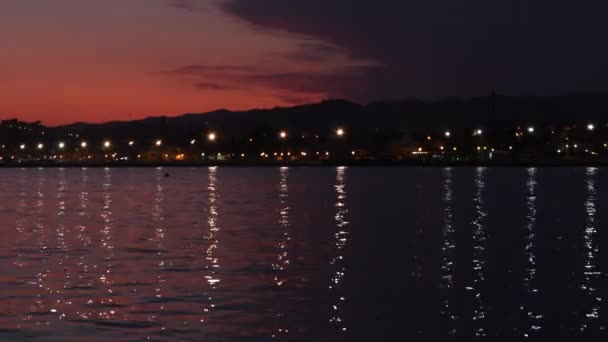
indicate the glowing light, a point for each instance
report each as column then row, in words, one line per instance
column 419, row 149
column 448, row 134
column 283, row 134
column 303, row 154
column 131, row 143
column 61, row 145
column 193, row 141
column 83, row 144
column 40, row 146
column 559, row 151
column 107, row 144
column 531, row 129
column 340, row 132
column 353, row 153
column 159, row 142
column 441, row 148
column 428, row 138
column 478, row 132
column 211, row 137
column 590, row 127
column 22, row 146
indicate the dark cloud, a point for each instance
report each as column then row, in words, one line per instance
column 435, row 48
column 212, row 86
column 187, row 5
column 338, row 82
column 313, row 52
column 209, row 69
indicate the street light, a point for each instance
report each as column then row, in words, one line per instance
column 448, row 134
column 530, row 129
column 283, row 134
column 40, row 146
column 590, row 127
column 107, row 144
column 159, row 142
column 212, row 137
column 340, row 132
column 22, row 146
column 478, row 132
column 83, row 144
column 61, row 145
column 131, row 143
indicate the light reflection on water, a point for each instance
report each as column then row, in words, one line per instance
column 212, row 266
column 298, row 254
column 479, row 254
column 447, row 253
column 338, row 263
column 534, row 318
column 282, row 262
column 591, row 274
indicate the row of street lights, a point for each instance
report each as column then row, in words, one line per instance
column 340, row 132
column 530, row 129
column 211, row 137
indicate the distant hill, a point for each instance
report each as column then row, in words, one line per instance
column 408, row 115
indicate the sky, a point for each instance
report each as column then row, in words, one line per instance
column 99, row 60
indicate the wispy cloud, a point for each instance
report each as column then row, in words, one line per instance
column 288, row 85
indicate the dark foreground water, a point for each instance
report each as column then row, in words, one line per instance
column 303, row 254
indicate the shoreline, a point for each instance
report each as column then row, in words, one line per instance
column 333, row 163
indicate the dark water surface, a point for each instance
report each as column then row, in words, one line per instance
column 303, row 254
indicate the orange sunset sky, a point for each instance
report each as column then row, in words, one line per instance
column 74, row 60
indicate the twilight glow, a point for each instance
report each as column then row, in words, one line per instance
column 74, row 60
column 100, row 60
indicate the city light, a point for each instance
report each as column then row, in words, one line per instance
column 448, row 134
column 193, row 141
column 530, row 129
column 159, row 142
column 22, row 146
column 107, row 144
column 83, row 144
column 61, row 145
column 478, row 132
column 340, row 132
column 131, row 143
column 211, row 137
column 40, row 146
column 590, row 127
column 283, row 134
